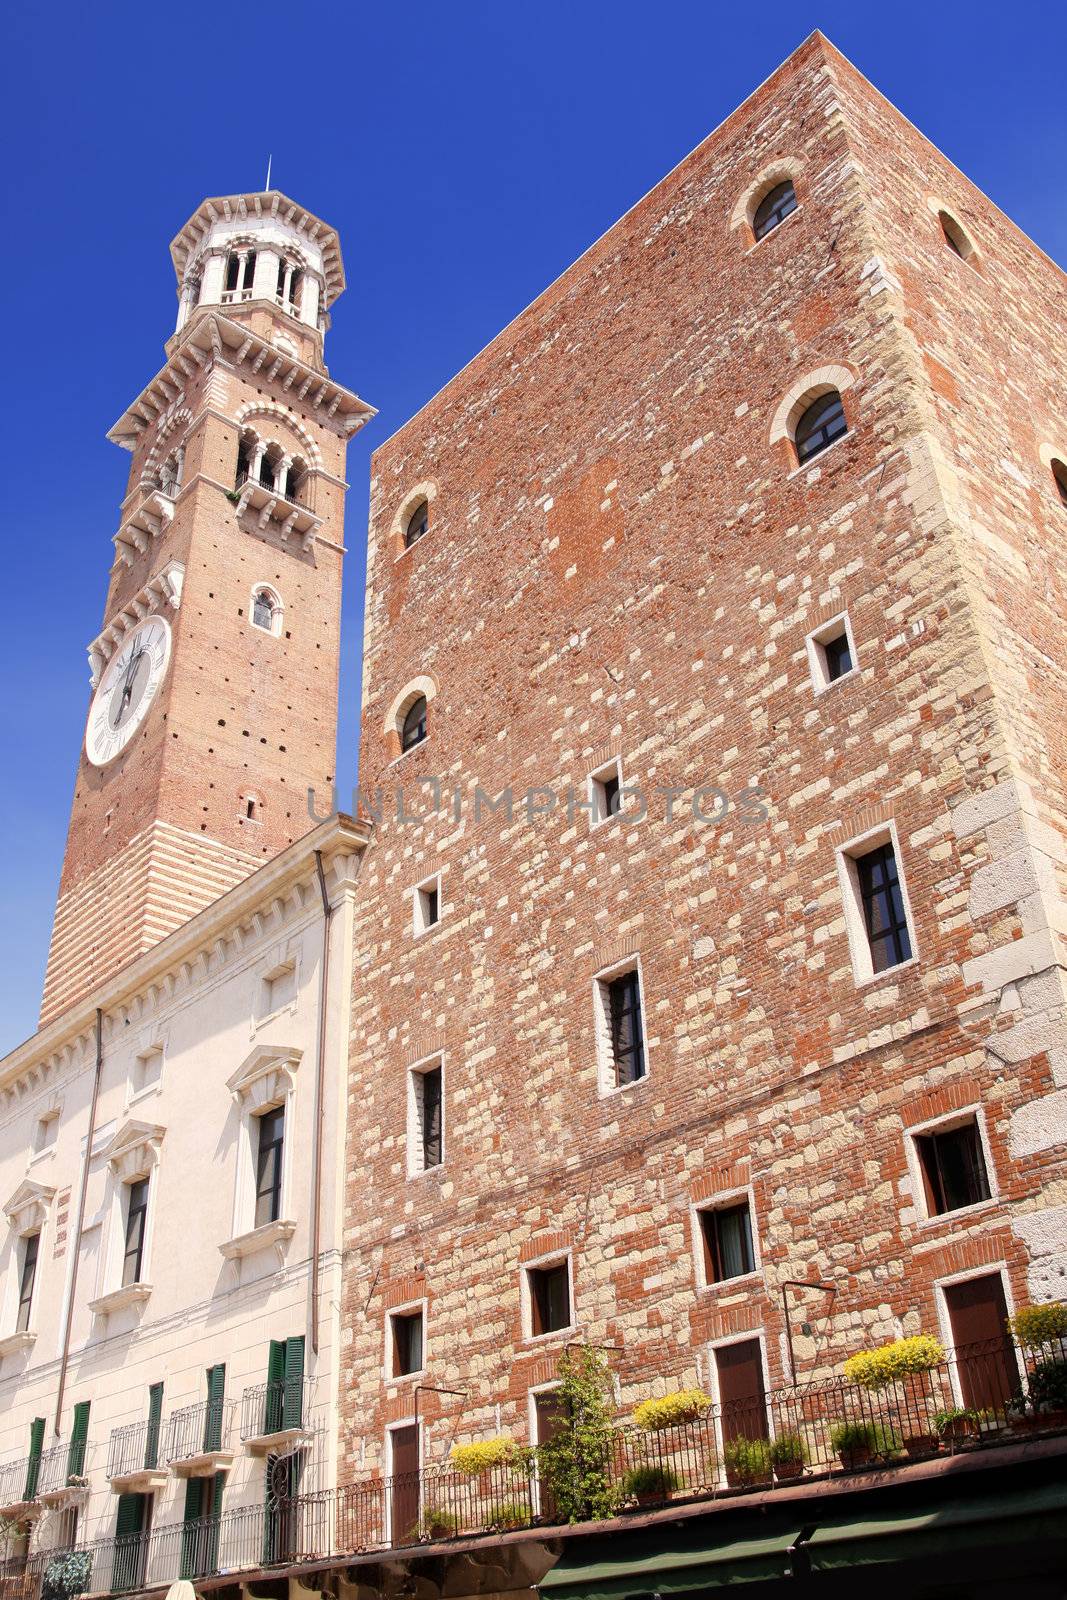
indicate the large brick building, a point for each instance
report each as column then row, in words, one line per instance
column 698, row 946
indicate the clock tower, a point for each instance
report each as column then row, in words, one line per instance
column 215, row 672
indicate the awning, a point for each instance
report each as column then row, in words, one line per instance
column 667, row 1561
column 1024, row 1515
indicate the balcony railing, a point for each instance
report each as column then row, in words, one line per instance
column 203, row 1429
column 134, row 1448
column 270, row 1409
column 791, row 1433
column 62, row 1466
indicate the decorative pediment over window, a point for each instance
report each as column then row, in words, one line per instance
column 27, row 1210
column 265, row 1077
column 134, row 1150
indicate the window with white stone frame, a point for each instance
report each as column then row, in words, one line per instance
column 605, row 792
column 878, row 916
column 427, row 905
column 264, row 1092
column 725, row 1238
column 129, row 1208
column 426, row 1115
column 548, row 1296
column 950, row 1164
column 619, row 1027
column 831, row 652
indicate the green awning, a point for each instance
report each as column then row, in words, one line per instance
column 666, row 1561
column 1023, row 1515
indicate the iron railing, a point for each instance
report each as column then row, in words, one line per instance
column 137, row 1447
column 276, row 1407
column 981, row 1395
column 18, row 1479
column 61, row 1463
column 199, row 1429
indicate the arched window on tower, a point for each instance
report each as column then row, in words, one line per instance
column 269, row 466
column 266, row 609
column 777, row 204
column 296, row 490
column 417, row 524
column 818, row 426
column 170, row 476
column 233, row 272
column 413, row 727
column 246, row 449
column 955, row 237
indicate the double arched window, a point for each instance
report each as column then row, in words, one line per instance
column 240, row 272
column 290, row 282
column 170, row 474
column 777, row 204
column 268, row 465
column 819, row 425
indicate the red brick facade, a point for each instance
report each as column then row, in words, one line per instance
column 624, row 560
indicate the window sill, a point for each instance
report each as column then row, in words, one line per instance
column 557, row 1333
column 247, row 1244
column 40, row 1156
column 607, row 1091
column 403, row 757
column 744, row 1280
column 949, row 1219
column 834, row 683
column 147, row 1481
column 406, row 1377
column 145, row 1094
column 872, row 978
column 14, row 1342
column 427, row 1172
column 130, row 1294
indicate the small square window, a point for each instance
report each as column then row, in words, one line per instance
column 726, row 1241
column 875, row 902
column 146, row 1070
column 279, row 987
column 426, row 1131
column 953, row 1168
column 407, row 1342
column 620, row 1028
column 831, row 653
column 548, row 1289
column 426, row 910
column 46, row 1132
column 605, row 793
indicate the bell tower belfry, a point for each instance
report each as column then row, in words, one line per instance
column 215, row 672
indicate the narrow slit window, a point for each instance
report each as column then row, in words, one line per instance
column 427, row 1131
column 427, row 905
column 136, row 1216
column 626, row 1027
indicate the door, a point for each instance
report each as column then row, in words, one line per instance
column 985, row 1357
column 742, row 1396
column 550, row 1417
column 131, row 1542
column 404, row 1487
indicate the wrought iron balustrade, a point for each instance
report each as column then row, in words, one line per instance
column 277, row 1407
column 205, row 1428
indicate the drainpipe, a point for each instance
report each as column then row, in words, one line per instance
column 64, row 1359
column 320, row 1089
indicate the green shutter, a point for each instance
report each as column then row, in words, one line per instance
column 210, row 1548
column 194, row 1493
column 216, row 1394
column 272, row 1411
column 33, row 1466
column 131, row 1524
column 130, row 1518
column 292, row 1415
column 155, row 1417
column 79, row 1434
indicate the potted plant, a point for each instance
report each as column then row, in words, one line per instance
column 575, row 1465
column 434, row 1524
column 665, row 1411
column 860, row 1443
column 788, row 1455
column 1048, row 1393
column 1041, row 1327
column 649, row 1485
column 478, row 1459
column 956, row 1424
column 508, row 1514
column 66, row 1576
column 747, row 1462
column 896, row 1365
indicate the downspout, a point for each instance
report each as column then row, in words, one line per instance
column 64, row 1359
column 320, row 1089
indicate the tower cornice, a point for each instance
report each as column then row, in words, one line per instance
column 216, row 339
column 235, row 208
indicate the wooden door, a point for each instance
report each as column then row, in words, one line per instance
column 404, row 1486
column 985, row 1356
column 549, row 1418
column 742, row 1395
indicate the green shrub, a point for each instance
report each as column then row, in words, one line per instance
column 435, row 1524
column 954, row 1419
column 66, row 1576
column 650, row 1480
column 854, row 1438
column 876, row 1369
column 1036, row 1326
column 575, row 1465
column 747, row 1460
column 667, row 1410
column 1048, row 1386
column 788, row 1449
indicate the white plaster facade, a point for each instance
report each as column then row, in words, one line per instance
column 217, row 1022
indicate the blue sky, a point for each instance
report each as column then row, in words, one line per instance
column 466, row 153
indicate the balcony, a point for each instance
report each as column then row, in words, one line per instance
column 266, row 503
column 133, row 1459
column 19, row 1500
column 274, row 1415
column 61, row 1479
column 197, row 1439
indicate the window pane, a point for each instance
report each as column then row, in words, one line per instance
column 883, row 908
column 414, row 728
column 269, row 1166
column 735, row 1241
column 627, row 1040
column 431, row 1117
column 137, row 1201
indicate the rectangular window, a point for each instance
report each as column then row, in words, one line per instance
column 883, row 908
column 831, row 653
column 426, row 1130
column 726, row 1234
column 627, row 1033
column 605, row 786
column 44, row 1136
column 146, row 1071
column 31, row 1244
column 279, row 987
column 549, row 1290
column 426, row 910
column 270, row 1138
column 953, row 1168
column 136, row 1216
column 407, row 1339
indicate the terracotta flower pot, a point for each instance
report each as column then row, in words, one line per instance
column 857, row 1455
column 785, row 1470
column 920, row 1445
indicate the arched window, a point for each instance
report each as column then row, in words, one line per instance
column 417, row 524
column 777, row 204
column 955, row 237
column 413, row 728
column 298, row 474
column 246, row 448
column 269, row 465
column 170, row 476
column 818, row 427
column 1059, row 478
column 266, row 609
column 233, row 272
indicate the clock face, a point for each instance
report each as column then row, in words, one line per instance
column 127, row 689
